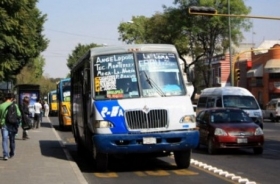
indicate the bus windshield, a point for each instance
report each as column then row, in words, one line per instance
column 117, row 76
column 66, row 94
column 242, row 102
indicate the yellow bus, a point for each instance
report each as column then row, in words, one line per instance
column 63, row 101
column 52, row 101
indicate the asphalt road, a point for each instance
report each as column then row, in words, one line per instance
column 138, row 169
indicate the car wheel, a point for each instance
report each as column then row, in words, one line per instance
column 182, row 158
column 258, row 151
column 210, row 147
column 272, row 119
column 198, row 146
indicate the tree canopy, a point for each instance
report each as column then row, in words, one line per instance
column 21, row 38
column 78, row 52
column 193, row 35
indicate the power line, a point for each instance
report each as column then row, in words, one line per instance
column 75, row 34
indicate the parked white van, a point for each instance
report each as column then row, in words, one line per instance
column 231, row 96
column 272, row 110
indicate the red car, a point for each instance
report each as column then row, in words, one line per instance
column 228, row 128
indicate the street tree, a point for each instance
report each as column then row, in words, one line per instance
column 32, row 72
column 200, row 37
column 21, row 38
column 134, row 30
column 78, row 52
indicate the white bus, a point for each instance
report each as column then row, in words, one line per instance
column 132, row 99
column 231, row 96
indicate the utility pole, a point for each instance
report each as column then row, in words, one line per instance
column 230, row 51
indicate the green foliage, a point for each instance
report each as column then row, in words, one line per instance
column 32, row 72
column 47, row 85
column 134, row 31
column 21, row 39
column 193, row 35
column 78, row 52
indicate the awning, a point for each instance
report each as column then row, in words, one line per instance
column 255, row 71
column 272, row 66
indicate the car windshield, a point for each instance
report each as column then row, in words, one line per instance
column 242, row 102
column 229, row 115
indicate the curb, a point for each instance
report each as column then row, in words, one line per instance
column 73, row 164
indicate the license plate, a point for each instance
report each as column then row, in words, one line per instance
column 242, row 140
column 149, row 140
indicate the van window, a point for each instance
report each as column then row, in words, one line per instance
column 219, row 102
column 210, row 102
column 202, row 102
column 243, row 102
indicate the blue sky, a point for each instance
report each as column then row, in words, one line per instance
column 70, row 22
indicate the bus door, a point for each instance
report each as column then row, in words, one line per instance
column 87, row 104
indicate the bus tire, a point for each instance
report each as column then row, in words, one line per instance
column 210, row 147
column 81, row 150
column 101, row 162
column 182, row 158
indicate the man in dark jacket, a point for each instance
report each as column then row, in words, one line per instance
column 26, row 121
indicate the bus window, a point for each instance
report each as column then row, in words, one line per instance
column 114, row 78
column 160, row 74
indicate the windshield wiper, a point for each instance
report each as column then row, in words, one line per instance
column 153, row 84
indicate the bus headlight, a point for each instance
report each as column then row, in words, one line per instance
column 188, row 119
column 103, row 124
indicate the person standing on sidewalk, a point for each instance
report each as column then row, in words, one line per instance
column 37, row 116
column 47, row 109
column 8, row 131
column 42, row 110
column 25, row 116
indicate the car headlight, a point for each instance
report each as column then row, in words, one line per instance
column 220, row 132
column 188, row 119
column 258, row 131
column 103, row 124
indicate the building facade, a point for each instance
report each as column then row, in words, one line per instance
column 261, row 74
column 257, row 69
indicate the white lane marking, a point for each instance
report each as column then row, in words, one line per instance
column 221, row 172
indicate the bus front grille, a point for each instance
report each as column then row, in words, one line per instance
column 152, row 119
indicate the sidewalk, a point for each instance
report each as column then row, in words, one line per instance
column 42, row 159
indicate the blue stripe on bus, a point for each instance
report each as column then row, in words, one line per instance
column 112, row 111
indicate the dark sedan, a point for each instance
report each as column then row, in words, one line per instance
column 228, row 128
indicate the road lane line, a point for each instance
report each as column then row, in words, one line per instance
column 220, row 173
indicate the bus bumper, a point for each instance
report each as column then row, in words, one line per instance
column 136, row 143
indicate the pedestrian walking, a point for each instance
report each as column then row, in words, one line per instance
column 47, row 109
column 8, row 129
column 26, row 121
column 37, row 116
column 42, row 112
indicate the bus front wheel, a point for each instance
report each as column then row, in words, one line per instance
column 182, row 158
column 100, row 160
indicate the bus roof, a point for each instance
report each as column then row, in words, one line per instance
column 65, row 79
column 52, row 92
column 227, row 90
column 126, row 48
column 133, row 47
